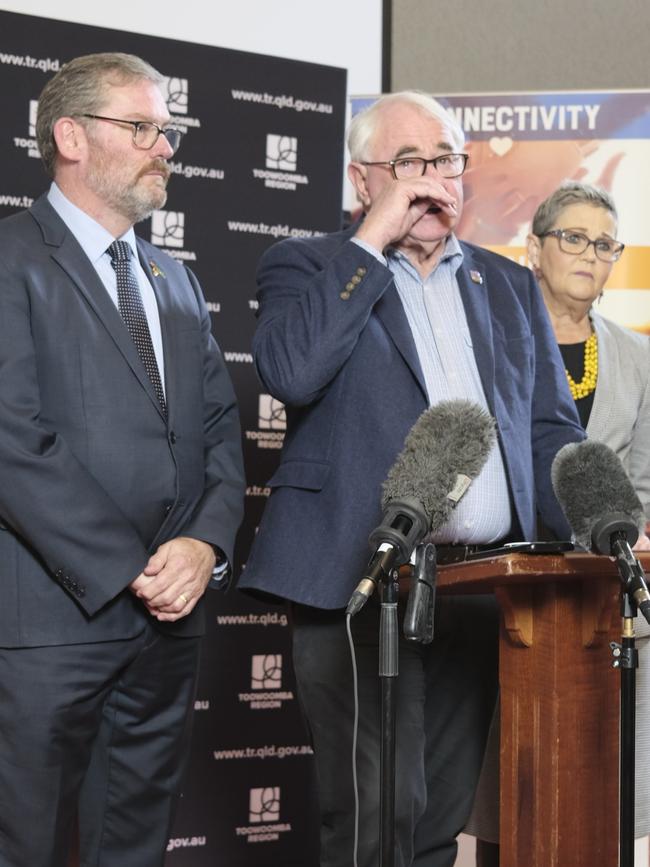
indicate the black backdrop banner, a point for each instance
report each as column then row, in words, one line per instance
column 262, row 160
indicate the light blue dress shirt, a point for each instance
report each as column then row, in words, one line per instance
column 435, row 312
column 94, row 240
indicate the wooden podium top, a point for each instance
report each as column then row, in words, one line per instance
column 483, row 575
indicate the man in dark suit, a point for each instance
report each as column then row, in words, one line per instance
column 121, row 483
column 359, row 332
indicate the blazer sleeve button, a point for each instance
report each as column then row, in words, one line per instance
column 344, row 295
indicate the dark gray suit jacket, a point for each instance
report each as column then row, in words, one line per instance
column 92, row 477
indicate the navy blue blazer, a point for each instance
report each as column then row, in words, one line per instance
column 344, row 362
column 93, row 478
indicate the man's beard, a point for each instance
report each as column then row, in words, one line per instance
column 126, row 195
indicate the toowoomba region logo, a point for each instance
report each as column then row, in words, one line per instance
column 281, row 164
column 266, row 691
column 28, row 142
column 264, row 825
column 271, row 422
column 176, row 91
column 168, row 232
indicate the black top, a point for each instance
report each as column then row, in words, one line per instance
column 573, row 355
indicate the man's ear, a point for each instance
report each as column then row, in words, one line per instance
column 357, row 173
column 70, row 138
column 533, row 248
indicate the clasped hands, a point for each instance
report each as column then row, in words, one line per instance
column 175, row 578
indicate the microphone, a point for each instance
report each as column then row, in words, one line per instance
column 443, row 452
column 418, row 620
column 603, row 510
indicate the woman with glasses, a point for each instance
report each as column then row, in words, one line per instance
column 571, row 249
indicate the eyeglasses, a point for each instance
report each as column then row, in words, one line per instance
column 576, row 243
column 146, row 132
column 447, row 165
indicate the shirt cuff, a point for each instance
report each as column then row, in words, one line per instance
column 222, row 571
column 370, row 249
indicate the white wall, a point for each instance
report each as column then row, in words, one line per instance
column 344, row 33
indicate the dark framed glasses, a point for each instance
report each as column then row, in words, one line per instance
column 576, row 243
column 146, row 132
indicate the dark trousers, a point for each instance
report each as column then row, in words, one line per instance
column 99, row 732
column 446, row 694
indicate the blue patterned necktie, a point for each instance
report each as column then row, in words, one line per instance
column 131, row 309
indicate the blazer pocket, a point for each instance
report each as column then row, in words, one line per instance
column 310, row 475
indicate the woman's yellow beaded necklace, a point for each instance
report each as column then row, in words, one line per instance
column 588, row 382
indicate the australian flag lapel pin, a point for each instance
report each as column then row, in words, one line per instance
column 155, row 270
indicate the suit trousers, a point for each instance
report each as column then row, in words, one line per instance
column 98, row 732
column 446, row 693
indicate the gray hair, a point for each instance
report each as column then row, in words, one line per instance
column 79, row 88
column 570, row 193
column 364, row 125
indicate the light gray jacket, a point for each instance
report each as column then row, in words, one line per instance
column 620, row 416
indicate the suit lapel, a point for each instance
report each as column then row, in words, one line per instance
column 473, row 285
column 68, row 254
column 391, row 312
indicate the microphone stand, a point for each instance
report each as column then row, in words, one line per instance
column 388, row 671
column 404, row 524
column 626, row 657
column 418, row 626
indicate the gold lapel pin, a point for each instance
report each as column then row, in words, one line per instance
column 155, row 270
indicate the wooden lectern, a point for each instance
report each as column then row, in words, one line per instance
column 559, row 703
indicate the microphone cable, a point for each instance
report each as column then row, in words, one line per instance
column 355, row 734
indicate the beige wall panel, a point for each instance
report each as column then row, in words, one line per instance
column 456, row 46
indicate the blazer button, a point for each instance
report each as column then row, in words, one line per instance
column 172, row 437
column 344, row 296
column 362, row 271
column 355, row 280
column 350, row 286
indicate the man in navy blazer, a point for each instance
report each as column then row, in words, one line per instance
column 118, row 505
column 359, row 332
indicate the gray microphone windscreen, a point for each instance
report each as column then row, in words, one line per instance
column 449, row 440
column 591, row 484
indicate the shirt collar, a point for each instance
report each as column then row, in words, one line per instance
column 453, row 253
column 93, row 238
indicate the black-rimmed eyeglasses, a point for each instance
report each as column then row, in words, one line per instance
column 146, row 132
column 576, row 243
column 447, row 165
